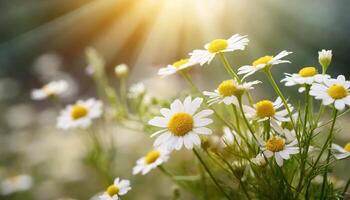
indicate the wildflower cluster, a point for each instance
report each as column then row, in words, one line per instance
column 246, row 148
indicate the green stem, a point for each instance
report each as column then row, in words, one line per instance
column 325, row 146
column 246, row 120
column 188, row 78
column 329, row 153
column 236, row 117
column 346, row 186
column 228, row 67
column 210, row 174
column 170, row 175
column 307, row 139
column 279, row 93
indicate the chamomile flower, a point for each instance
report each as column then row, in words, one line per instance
column 228, row 91
column 181, row 124
column 54, row 88
column 175, row 67
column 306, row 75
column 119, row 188
column 340, row 152
column 16, row 184
column 79, row 115
column 236, row 42
column 266, row 109
column 277, row 147
column 332, row 91
column 262, row 63
column 152, row 160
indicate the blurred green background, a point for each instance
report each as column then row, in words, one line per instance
column 41, row 40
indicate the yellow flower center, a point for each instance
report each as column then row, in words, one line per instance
column 265, row 108
column 112, row 190
column 180, row 124
column 227, row 88
column 262, row 60
column 337, row 91
column 275, row 144
column 217, row 45
column 347, row 147
column 308, row 71
column 151, row 157
column 78, row 111
column 178, row 63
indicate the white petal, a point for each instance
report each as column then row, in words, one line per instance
column 196, row 103
column 279, row 159
column 339, row 104
column 268, row 153
column 176, row 106
column 188, row 142
column 202, row 131
column 159, row 122
column 202, row 122
column 203, row 113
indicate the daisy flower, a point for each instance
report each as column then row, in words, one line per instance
column 152, row 160
column 175, row 67
column 277, row 147
column 228, row 91
column 266, row 109
column 332, row 91
column 236, row 42
column 119, row 188
column 16, row 184
column 181, row 125
column 79, row 115
column 340, row 152
column 54, row 88
column 306, row 75
column 262, row 63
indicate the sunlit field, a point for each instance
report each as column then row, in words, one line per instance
column 174, row 99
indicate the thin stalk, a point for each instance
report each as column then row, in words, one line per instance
column 188, row 78
column 210, row 174
column 304, row 154
column 346, row 186
column 246, row 120
column 329, row 155
column 236, row 117
column 168, row 174
column 328, row 141
column 279, row 93
column 228, row 67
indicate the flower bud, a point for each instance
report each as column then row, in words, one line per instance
column 325, row 58
column 121, row 70
column 259, row 160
